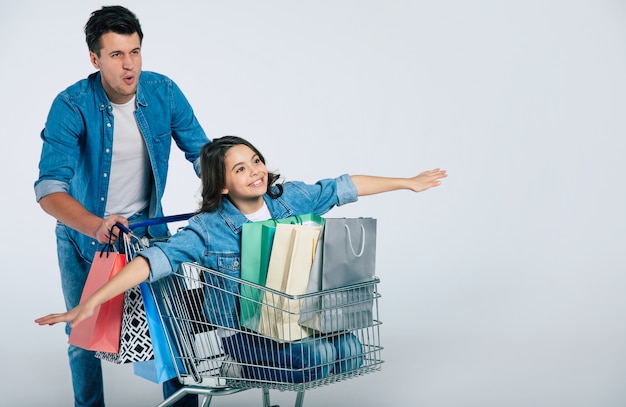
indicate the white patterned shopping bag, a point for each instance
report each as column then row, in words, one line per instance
column 135, row 343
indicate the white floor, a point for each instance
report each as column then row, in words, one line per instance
column 452, row 371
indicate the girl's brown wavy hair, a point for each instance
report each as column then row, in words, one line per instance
column 213, row 171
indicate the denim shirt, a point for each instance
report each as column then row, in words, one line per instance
column 213, row 239
column 78, row 138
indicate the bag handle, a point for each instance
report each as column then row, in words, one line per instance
column 160, row 220
column 150, row 222
column 109, row 248
column 153, row 221
column 362, row 240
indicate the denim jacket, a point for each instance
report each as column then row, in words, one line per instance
column 78, row 139
column 213, row 239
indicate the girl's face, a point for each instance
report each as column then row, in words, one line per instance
column 246, row 178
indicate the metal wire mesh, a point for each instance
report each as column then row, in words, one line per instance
column 267, row 339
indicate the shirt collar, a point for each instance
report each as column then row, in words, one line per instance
column 104, row 102
column 235, row 219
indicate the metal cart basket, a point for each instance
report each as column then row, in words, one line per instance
column 214, row 356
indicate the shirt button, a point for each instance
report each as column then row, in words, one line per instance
column 105, row 175
column 108, row 124
column 108, row 150
column 101, row 199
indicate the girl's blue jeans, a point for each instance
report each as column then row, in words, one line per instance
column 294, row 362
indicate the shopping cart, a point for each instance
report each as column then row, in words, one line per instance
column 202, row 349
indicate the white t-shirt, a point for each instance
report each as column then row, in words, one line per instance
column 261, row 214
column 129, row 180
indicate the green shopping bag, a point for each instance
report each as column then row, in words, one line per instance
column 309, row 219
column 256, row 246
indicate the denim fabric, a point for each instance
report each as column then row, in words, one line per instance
column 290, row 362
column 86, row 368
column 213, row 239
column 349, row 352
column 294, row 362
column 86, row 377
column 78, row 140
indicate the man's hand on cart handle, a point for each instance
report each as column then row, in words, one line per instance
column 109, row 231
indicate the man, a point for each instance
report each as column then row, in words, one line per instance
column 104, row 159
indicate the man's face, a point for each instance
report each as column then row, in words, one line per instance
column 119, row 64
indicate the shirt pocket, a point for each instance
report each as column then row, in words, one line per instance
column 222, row 292
column 229, row 265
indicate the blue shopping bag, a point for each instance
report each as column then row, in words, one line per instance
column 161, row 368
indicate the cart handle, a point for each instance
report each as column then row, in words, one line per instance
column 153, row 221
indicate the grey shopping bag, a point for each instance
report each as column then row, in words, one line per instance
column 345, row 256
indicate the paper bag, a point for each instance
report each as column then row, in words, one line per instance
column 346, row 255
column 288, row 272
column 101, row 331
column 161, row 368
column 256, row 245
column 135, row 342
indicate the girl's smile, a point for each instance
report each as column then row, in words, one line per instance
column 246, row 178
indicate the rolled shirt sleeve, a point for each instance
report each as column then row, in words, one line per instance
column 346, row 190
column 49, row 186
column 160, row 265
column 187, row 245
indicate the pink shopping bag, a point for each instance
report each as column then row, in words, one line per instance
column 101, row 332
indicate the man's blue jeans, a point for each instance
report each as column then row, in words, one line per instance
column 294, row 362
column 86, row 369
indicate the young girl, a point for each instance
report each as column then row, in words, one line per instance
column 238, row 188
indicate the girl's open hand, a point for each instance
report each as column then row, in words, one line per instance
column 75, row 316
column 426, row 180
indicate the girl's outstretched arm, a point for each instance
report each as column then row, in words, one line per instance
column 132, row 274
column 370, row 185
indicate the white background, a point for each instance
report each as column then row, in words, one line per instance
column 504, row 287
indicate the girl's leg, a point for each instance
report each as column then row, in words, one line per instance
column 293, row 362
column 349, row 352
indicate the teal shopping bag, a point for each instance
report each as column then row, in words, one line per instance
column 256, row 246
column 309, row 219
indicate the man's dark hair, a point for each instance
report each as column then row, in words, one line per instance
column 115, row 19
